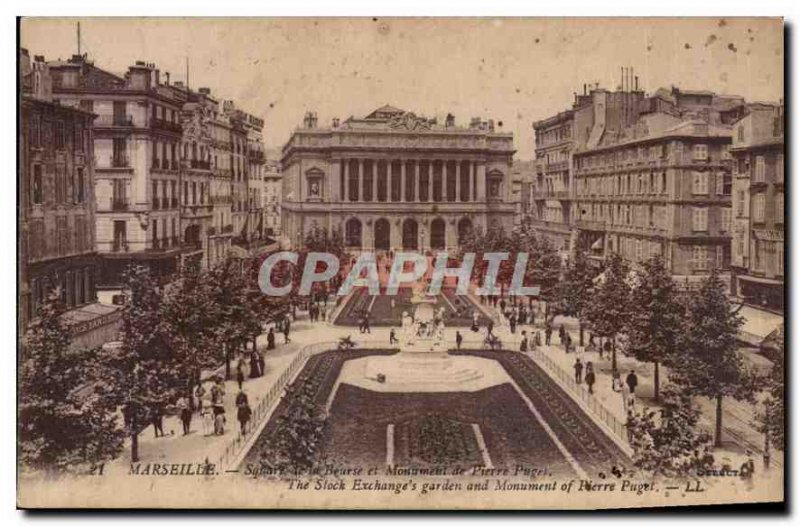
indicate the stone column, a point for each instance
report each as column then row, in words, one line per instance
column 346, row 172
column 470, row 192
column 459, row 167
column 418, row 179
column 361, row 179
column 481, row 175
column 444, row 181
column 402, row 181
column 374, row 170
column 430, row 181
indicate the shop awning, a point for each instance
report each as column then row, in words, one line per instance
column 758, row 324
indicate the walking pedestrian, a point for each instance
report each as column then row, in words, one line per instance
column 186, row 414
column 578, row 370
column 616, row 382
column 459, row 340
column 512, row 323
column 392, row 338
column 590, row 378
column 208, row 420
column 260, row 362
column 243, row 411
column 240, row 373
column 219, row 419
column 548, row 332
column 366, row 325
column 157, row 419
column 632, row 380
column 523, row 344
column 561, row 333
column 199, row 393
column 537, row 339
column 286, row 332
column 271, row 339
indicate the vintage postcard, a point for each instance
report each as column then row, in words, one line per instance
column 410, row 263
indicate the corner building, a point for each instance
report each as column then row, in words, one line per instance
column 396, row 181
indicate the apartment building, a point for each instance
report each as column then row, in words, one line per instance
column 56, row 209
column 758, row 207
column 665, row 193
column 137, row 139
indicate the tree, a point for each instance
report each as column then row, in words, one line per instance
column 666, row 442
column 65, row 422
column 771, row 421
column 295, row 445
column 234, row 311
column 544, row 265
column 575, row 291
column 710, row 365
column 145, row 371
column 610, row 307
column 656, row 321
column 189, row 320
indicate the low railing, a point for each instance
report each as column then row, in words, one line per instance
column 268, row 402
column 594, row 405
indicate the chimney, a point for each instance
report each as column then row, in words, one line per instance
column 140, row 63
column 166, row 74
column 636, row 82
column 204, row 91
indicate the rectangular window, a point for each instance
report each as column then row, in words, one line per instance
column 700, row 258
column 36, row 132
column 700, row 183
column 760, row 175
column 725, row 223
column 740, row 203
column 78, row 188
column 119, row 155
column 78, row 138
column 700, row 152
column 758, row 256
column 62, row 239
column 700, row 219
column 59, row 134
column 37, row 185
column 779, row 207
column 779, row 259
column 758, row 208
column 120, row 237
column 779, row 168
column 120, row 113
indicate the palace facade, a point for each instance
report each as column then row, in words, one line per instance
column 396, row 181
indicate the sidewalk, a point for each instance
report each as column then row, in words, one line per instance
column 177, row 448
column 739, row 432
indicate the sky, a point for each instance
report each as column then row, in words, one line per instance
column 512, row 70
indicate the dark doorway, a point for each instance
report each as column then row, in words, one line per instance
column 382, row 235
column 437, row 234
column 410, row 235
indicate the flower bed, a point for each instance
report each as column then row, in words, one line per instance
column 588, row 444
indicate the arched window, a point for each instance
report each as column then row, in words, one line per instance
column 353, row 233
column 437, row 234
column 464, row 230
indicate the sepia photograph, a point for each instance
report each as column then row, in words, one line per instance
column 417, row 263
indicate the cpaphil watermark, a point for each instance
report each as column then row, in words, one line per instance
column 406, row 267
